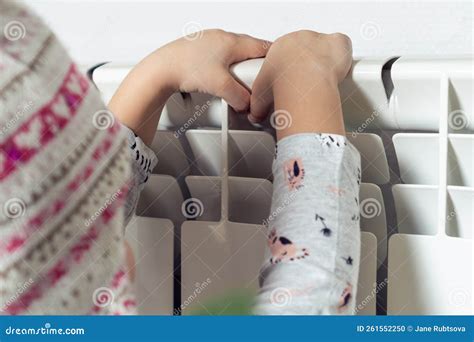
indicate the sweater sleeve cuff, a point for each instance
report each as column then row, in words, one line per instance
column 144, row 159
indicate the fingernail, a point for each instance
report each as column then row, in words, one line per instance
column 253, row 121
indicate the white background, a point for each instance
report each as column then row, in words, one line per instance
column 125, row 31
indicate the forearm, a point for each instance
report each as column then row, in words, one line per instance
column 140, row 98
column 312, row 100
column 312, row 262
column 312, row 259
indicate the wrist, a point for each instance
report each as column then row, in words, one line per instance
column 140, row 98
column 161, row 71
column 312, row 102
column 301, row 79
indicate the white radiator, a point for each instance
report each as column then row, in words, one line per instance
column 198, row 232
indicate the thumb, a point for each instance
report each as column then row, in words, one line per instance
column 262, row 94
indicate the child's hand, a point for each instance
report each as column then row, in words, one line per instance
column 190, row 64
column 201, row 64
column 300, row 75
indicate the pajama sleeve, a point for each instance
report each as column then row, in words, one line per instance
column 143, row 162
column 312, row 259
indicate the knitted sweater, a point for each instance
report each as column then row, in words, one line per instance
column 67, row 180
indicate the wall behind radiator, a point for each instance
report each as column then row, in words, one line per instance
column 125, row 31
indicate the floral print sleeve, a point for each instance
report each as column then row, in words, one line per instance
column 312, row 260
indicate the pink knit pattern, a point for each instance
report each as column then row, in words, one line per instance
column 62, row 266
column 67, row 240
column 42, row 127
column 11, row 244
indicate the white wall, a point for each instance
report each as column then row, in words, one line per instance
column 124, row 31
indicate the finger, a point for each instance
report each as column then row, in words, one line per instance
column 235, row 94
column 262, row 94
column 248, row 47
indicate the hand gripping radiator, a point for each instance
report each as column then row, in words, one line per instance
column 198, row 232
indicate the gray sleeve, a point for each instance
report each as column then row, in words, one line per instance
column 312, row 260
column 143, row 162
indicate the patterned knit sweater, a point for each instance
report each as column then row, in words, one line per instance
column 67, row 181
